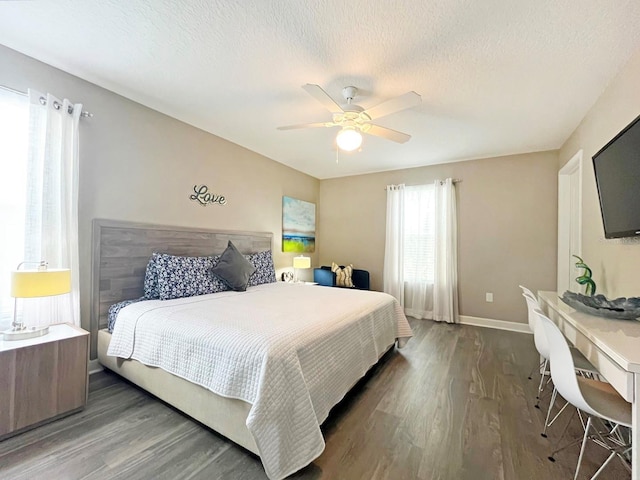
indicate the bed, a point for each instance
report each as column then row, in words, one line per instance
column 278, row 356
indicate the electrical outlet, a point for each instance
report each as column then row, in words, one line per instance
column 489, row 297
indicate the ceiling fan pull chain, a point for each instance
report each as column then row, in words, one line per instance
column 337, row 156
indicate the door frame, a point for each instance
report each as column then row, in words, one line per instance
column 569, row 219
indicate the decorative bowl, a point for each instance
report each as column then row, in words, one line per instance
column 621, row 308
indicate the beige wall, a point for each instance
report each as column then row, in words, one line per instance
column 137, row 164
column 507, row 221
column 615, row 263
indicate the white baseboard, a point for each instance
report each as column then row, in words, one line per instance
column 497, row 324
column 94, row 366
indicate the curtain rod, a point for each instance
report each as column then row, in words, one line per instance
column 42, row 100
column 455, row 180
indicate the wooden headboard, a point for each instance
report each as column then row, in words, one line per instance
column 121, row 251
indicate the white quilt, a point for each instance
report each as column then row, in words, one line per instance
column 290, row 350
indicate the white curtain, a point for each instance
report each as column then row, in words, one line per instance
column 393, row 275
column 14, row 110
column 445, row 285
column 419, row 241
column 51, row 226
column 420, row 261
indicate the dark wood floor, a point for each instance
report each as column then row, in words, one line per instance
column 454, row 404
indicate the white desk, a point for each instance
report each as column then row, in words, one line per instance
column 612, row 346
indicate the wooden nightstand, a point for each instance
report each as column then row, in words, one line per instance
column 42, row 378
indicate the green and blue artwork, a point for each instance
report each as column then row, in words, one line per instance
column 298, row 226
column 585, row 278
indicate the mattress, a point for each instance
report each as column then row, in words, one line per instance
column 291, row 351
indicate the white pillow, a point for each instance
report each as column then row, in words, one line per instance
column 343, row 275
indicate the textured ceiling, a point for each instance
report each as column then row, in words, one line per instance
column 497, row 77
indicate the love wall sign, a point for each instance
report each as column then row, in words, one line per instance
column 202, row 195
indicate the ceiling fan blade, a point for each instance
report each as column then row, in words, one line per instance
column 307, row 125
column 387, row 133
column 323, row 97
column 408, row 100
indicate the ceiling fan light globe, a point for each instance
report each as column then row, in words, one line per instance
column 349, row 139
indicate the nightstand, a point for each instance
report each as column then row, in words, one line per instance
column 42, row 379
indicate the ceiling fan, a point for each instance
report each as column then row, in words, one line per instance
column 354, row 120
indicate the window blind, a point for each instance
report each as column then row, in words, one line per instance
column 419, row 234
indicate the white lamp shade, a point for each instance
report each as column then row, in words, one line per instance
column 348, row 139
column 40, row 283
column 302, row 262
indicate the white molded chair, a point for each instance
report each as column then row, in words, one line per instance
column 529, row 293
column 540, row 340
column 595, row 398
column 582, row 365
column 526, row 293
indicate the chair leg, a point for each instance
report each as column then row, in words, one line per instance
column 551, row 404
column 564, row 431
column 584, row 445
column 552, row 457
column 615, row 443
column 603, row 466
column 564, row 407
column 537, row 367
column 582, row 422
column 542, row 375
column 625, row 458
column 541, row 385
column 620, row 453
column 543, row 396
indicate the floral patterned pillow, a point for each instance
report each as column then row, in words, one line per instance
column 265, row 271
column 151, row 279
column 186, row 276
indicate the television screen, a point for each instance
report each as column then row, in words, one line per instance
column 617, row 169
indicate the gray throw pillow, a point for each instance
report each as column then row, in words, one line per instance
column 233, row 269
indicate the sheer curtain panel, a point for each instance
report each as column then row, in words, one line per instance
column 445, row 285
column 51, row 226
column 393, row 275
column 420, row 263
column 14, row 127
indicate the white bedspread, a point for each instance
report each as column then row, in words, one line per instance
column 290, row 350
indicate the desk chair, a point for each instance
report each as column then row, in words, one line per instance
column 529, row 293
column 596, row 399
column 582, row 365
column 532, row 324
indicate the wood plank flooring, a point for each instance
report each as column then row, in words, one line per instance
column 455, row 403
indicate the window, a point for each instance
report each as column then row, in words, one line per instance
column 419, row 234
column 420, row 254
column 14, row 129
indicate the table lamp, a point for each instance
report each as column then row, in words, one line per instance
column 301, row 262
column 43, row 282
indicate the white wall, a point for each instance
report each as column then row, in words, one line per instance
column 507, row 222
column 615, row 263
column 140, row 165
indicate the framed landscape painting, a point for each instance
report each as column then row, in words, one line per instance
column 298, row 226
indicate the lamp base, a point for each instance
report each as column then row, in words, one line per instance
column 25, row 333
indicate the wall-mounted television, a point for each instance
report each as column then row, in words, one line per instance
column 617, row 169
